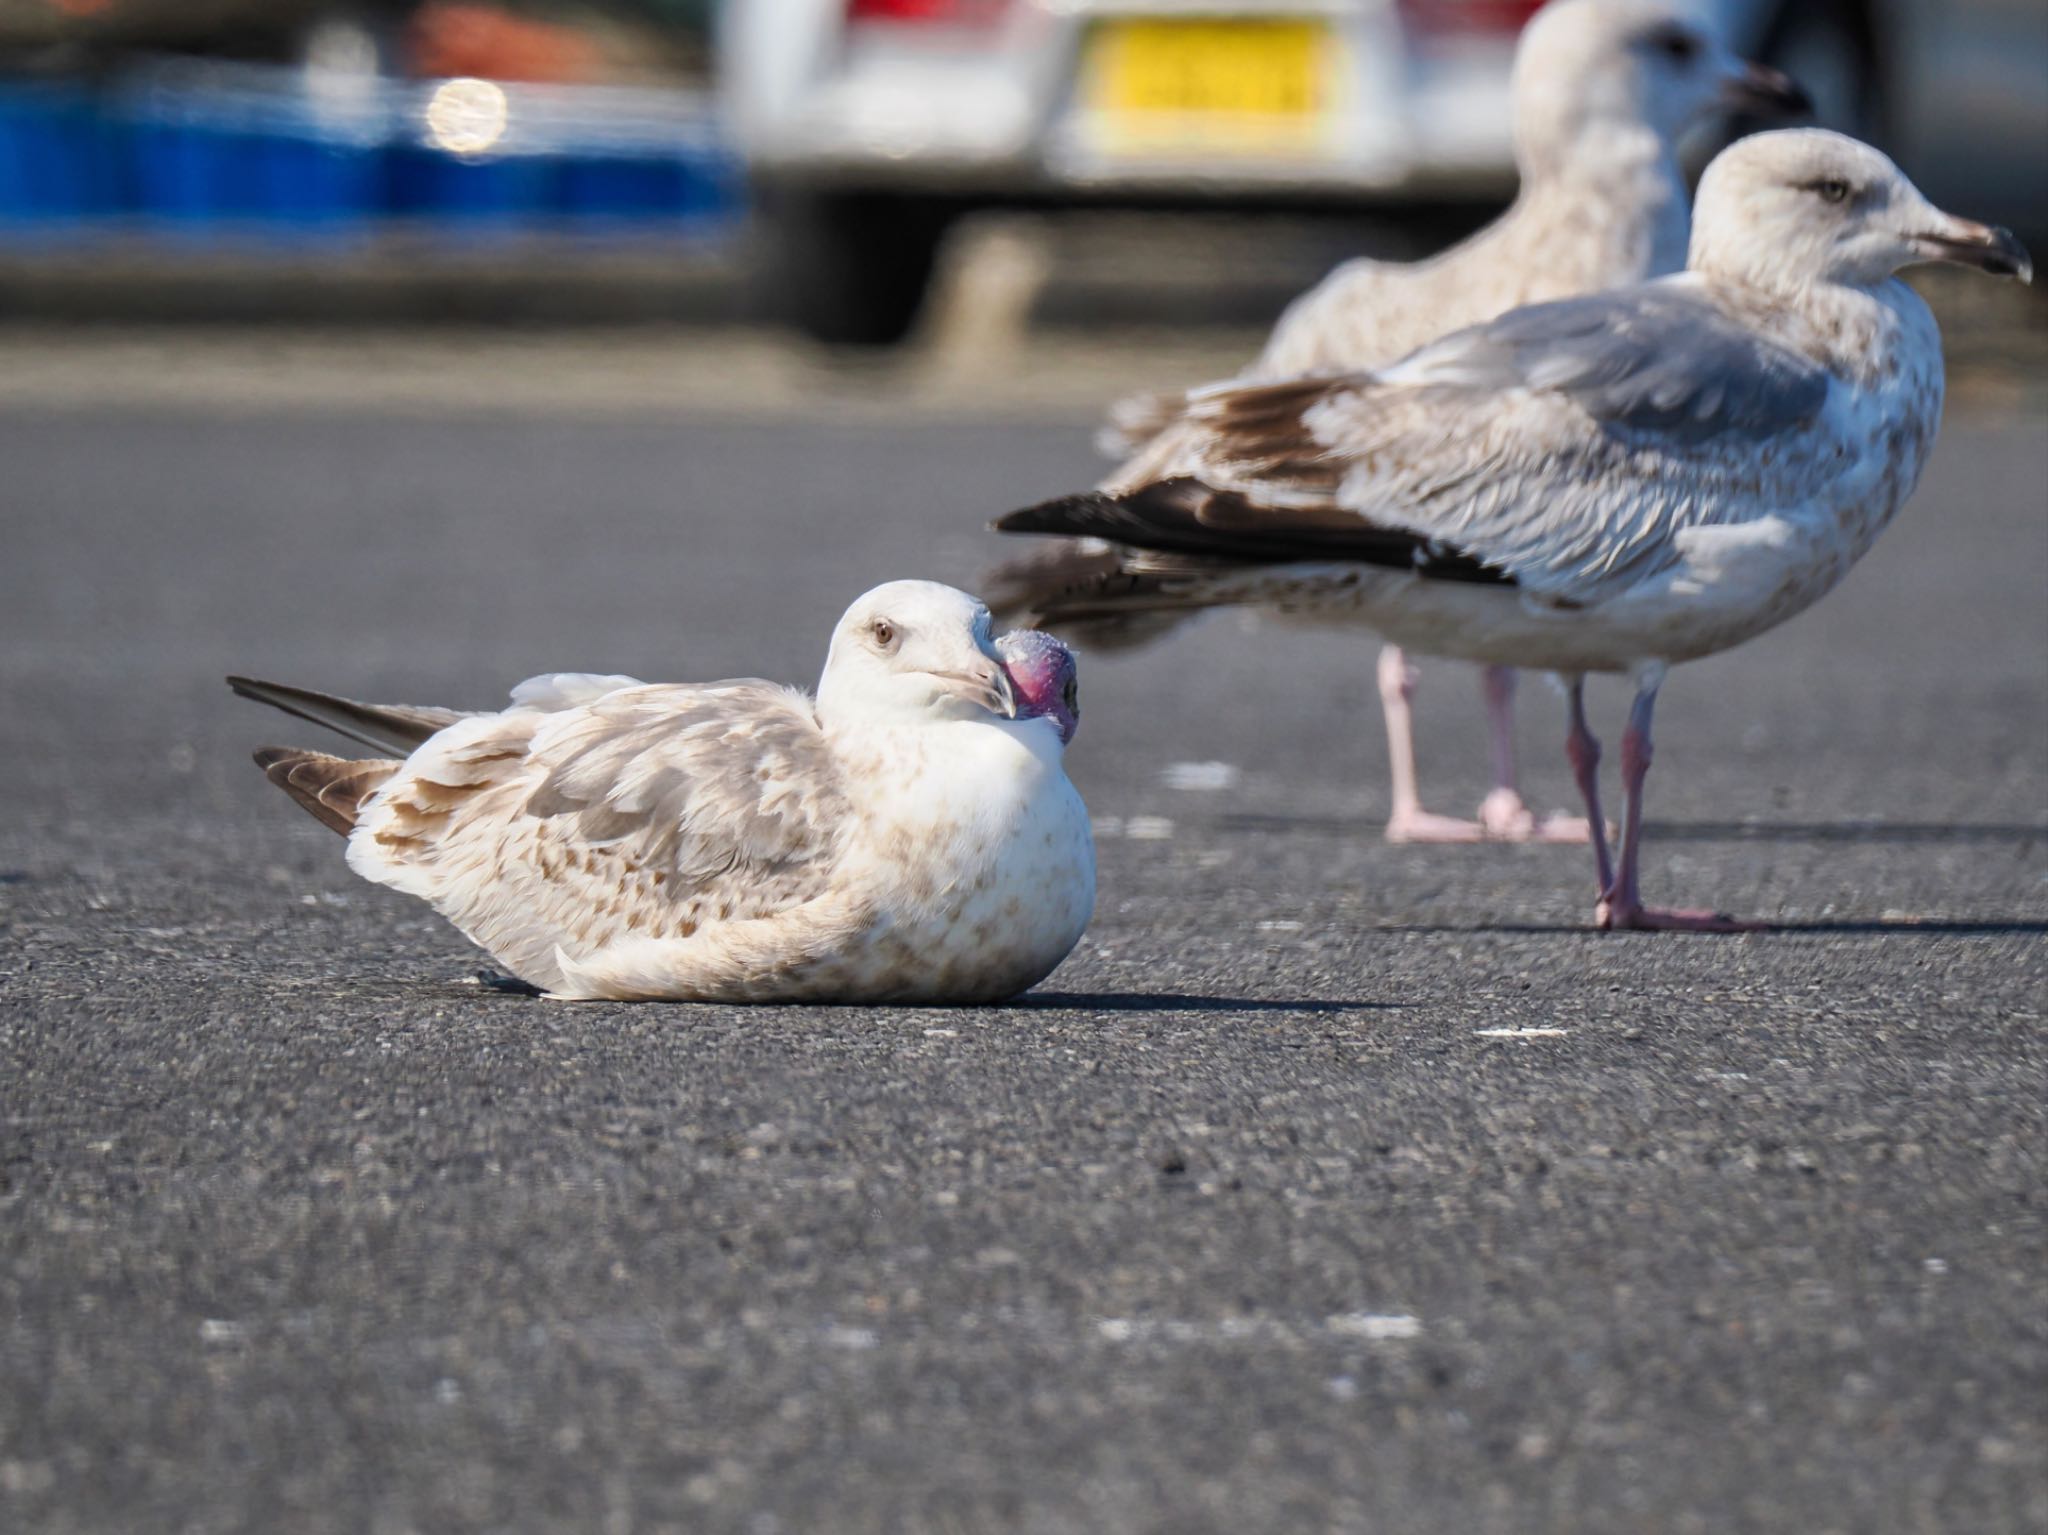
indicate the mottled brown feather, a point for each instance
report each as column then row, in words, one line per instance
column 330, row 789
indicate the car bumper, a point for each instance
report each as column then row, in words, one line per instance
column 1016, row 126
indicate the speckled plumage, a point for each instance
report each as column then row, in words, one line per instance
column 1601, row 91
column 1612, row 483
column 739, row 841
column 1651, row 474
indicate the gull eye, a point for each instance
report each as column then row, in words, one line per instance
column 1832, row 190
column 1679, row 46
column 883, row 633
column 1071, row 697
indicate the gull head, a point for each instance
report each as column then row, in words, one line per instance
column 1042, row 673
column 1585, row 69
column 1787, row 210
column 914, row 651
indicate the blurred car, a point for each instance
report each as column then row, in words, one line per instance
column 866, row 124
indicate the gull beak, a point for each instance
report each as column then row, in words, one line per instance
column 1761, row 91
column 1983, row 246
column 987, row 686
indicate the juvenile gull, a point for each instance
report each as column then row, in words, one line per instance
column 1601, row 91
column 1614, row 483
column 899, row 838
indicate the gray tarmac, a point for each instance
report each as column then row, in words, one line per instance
column 1328, row 1186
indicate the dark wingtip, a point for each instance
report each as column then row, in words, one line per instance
column 267, row 757
column 1063, row 514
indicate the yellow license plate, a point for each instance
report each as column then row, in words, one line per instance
column 1243, row 87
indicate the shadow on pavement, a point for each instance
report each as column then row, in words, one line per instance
column 1931, row 927
column 1840, row 831
column 1175, row 1002
column 1696, row 831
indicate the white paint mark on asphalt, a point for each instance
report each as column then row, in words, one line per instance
column 1280, row 925
column 1148, row 828
column 1520, row 1033
column 1377, row 1325
column 1201, row 777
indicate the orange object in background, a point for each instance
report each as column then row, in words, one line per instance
column 450, row 38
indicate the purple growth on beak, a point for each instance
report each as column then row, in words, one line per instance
column 1041, row 671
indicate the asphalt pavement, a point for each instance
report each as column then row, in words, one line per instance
column 1328, row 1186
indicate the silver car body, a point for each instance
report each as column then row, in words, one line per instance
column 1008, row 108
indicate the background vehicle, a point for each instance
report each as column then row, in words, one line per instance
column 331, row 124
column 868, row 124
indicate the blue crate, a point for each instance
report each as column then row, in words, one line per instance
column 469, row 195
column 228, row 153
column 623, row 192
column 241, row 151
column 59, row 159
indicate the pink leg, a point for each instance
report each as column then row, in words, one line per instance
column 1621, row 902
column 1409, row 822
column 1584, row 751
column 1502, row 812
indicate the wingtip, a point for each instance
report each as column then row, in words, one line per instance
column 1062, row 514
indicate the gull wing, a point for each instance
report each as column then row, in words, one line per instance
column 651, row 811
column 1562, row 448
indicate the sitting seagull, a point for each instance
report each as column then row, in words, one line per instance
column 1602, row 89
column 899, row 838
column 1615, row 483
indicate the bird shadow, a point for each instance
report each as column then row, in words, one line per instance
column 494, row 982
column 1842, row 831
column 1179, row 1002
column 1928, row 927
column 1872, row 832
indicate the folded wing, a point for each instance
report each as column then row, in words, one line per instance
column 1561, row 448
column 651, row 811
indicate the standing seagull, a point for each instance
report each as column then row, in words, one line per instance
column 1602, row 89
column 899, row 838
column 1615, row 483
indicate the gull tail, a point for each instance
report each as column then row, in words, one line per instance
column 1102, row 596
column 329, row 789
column 1042, row 590
column 398, row 729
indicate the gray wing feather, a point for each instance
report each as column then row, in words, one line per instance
column 1651, row 359
column 1565, row 445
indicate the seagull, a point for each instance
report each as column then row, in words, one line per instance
column 1601, row 91
column 903, row 836
column 1613, row 483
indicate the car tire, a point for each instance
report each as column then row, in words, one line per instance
column 849, row 268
